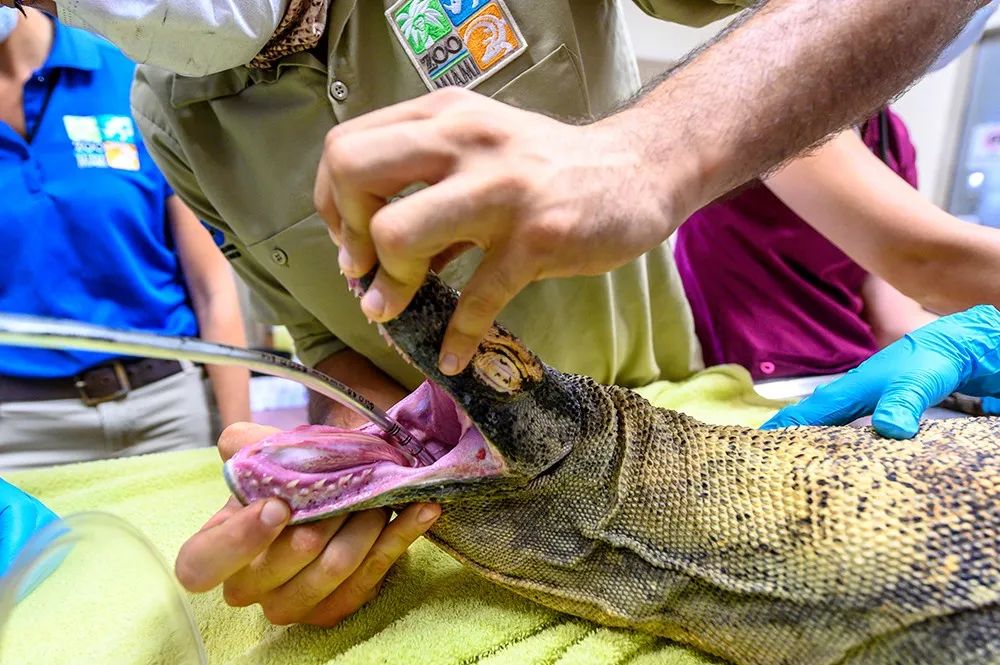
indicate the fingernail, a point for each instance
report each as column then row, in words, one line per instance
column 274, row 513
column 449, row 364
column 345, row 261
column 373, row 304
column 428, row 514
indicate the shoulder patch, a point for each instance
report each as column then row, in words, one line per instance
column 456, row 42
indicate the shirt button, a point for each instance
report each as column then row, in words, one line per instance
column 767, row 367
column 339, row 90
column 278, row 256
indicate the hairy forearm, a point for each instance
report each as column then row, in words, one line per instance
column 779, row 81
column 353, row 369
column 880, row 221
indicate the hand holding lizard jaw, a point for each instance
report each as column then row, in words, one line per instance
column 540, row 197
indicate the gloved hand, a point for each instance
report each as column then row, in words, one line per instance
column 21, row 516
column 956, row 353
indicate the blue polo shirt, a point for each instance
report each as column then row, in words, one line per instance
column 83, row 220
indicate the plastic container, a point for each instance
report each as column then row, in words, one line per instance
column 90, row 588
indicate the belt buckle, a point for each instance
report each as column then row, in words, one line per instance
column 123, row 387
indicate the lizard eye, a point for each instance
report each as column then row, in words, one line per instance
column 505, row 365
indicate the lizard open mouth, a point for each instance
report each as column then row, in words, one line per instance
column 322, row 471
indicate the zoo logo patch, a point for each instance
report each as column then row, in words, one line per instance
column 103, row 141
column 456, row 42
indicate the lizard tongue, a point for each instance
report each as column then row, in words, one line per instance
column 333, row 451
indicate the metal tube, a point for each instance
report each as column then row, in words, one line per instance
column 46, row 333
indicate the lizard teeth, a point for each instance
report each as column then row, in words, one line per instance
column 292, row 484
column 345, row 480
column 319, row 484
column 267, row 479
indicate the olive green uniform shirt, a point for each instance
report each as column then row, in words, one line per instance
column 241, row 148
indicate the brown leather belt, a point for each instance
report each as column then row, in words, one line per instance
column 106, row 382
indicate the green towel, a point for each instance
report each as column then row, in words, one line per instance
column 431, row 610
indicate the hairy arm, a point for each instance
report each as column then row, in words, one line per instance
column 781, row 79
column 216, row 305
column 353, row 369
column 859, row 204
column 517, row 184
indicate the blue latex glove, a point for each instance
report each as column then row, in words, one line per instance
column 21, row 516
column 956, row 353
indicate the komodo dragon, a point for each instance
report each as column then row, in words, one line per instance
column 801, row 546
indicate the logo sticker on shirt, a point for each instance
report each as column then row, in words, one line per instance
column 103, row 141
column 456, row 42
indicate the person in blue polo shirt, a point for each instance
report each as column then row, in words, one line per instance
column 91, row 231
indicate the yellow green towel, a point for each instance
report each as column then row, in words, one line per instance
column 431, row 609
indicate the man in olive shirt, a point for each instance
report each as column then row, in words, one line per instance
column 540, row 197
column 241, row 146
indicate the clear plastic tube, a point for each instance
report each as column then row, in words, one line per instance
column 90, row 588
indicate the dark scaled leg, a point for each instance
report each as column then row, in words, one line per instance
column 970, row 637
column 967, row 404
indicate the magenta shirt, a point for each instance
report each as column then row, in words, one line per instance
column 770, row 293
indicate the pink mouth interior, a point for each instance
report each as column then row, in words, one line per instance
column 321, row 470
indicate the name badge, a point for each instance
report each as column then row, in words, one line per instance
column 456, row 42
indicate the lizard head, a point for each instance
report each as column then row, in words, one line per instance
column 500, row 423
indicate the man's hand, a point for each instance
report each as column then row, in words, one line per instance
column 317, row 573
column 540, row 197
column 957, row 353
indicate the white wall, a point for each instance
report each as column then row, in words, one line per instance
column 930, row 108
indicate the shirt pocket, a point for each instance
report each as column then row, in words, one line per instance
column 303, row 259
column 553, row 86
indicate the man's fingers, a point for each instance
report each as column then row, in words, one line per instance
column 330, row 567
column 214, row 554
column 441, row 261
column 357, row 252
column 238, row 435
column 499, row 278
column 232, row 506
column 286, row 557
column 324, row 198
column 418, row 108
column 413, row 230
column 365, row 581
column 361, row 170
column 388, row 296
column 386, row 160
